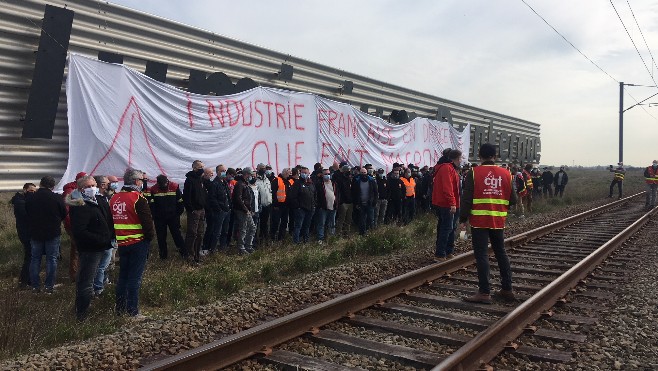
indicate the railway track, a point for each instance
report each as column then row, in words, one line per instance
column 418, row 320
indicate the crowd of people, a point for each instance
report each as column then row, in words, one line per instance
column 232, row 210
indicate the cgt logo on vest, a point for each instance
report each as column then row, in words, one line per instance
column 119, row 209
column 493, row 182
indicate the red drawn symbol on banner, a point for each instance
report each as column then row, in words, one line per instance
column 132, row 112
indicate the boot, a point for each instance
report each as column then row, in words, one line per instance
column 479, row 298
column 506, row 295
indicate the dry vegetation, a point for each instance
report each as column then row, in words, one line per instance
column 30, row 322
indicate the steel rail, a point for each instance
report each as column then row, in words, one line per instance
column 489, row 343
column 259, row 339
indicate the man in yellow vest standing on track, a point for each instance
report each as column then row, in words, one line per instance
column 651, row 177
column 486, row 197
column 134, row 231
column 618, row 178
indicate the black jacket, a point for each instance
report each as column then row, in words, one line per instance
column 565, row 178
column 45, row 210
column 194, row 192
column 344, row 187
column 242, row 196
column 356, row 191
column 219, row 196
column 382, row 188
column 547, row 178
column 165, row 203
column 20, row 213
column 396, row 189
column 91, row 223
column 301, row 195
column 275, row 188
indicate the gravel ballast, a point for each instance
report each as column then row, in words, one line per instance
column 156, row 338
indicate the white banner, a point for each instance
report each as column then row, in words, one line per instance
column 120, row 118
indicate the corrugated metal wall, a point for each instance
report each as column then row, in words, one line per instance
column 99, row 26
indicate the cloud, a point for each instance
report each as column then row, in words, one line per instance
column 497, row 55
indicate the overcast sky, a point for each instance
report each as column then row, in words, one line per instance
column 496, row 55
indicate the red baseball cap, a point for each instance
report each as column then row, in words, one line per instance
column 80, row 175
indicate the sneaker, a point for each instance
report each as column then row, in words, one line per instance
column 440, row 258
column 36, row 290
column 49, row 290
column 479, row 298
column 243, row 252
column 320, row 242
column 250, row 250
column 450, row 256
column 204, row 252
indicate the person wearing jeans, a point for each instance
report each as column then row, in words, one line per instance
column 488, row 194
column 445, row 198
column 49, row 248
column 134, row 231
column 445, row 231
column 327, row 202
column 45, row 211
column 195, row 198
column 92, row 228
column 23, row 230
column 102, row 276
column 302, row 199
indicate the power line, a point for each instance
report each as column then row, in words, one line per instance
column 642, row 33
column 633, row 42
column 586, row 57
column 569, row 42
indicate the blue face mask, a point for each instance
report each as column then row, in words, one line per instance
column 326, row 177
column 268, row 172
column 303, row 175
column 114, row 186
column 222, row 174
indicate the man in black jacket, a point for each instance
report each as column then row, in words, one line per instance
column 243, row 208
column 343, row 182
column 560, row 181
column 46, row 211
column 219, row 203
column 93, row 229
column 194, row 198
column 301, row 199
column 23, row 230
column 382, row 194
column 547, row 182
column 364, row 196
column 166, row 202
column 396, row 193
column 280, row 187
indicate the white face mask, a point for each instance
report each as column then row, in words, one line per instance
column 91, row 192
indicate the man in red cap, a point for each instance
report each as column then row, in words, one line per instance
column 73, row 264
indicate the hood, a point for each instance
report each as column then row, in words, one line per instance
column 74, row 199
column 192, row 174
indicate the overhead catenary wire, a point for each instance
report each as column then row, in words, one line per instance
column 633, row 42
column 586, row 57
column 653, row 60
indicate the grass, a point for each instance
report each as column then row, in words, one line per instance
column 29, row 323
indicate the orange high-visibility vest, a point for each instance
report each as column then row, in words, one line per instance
column 127, row 224
column 281, row 190
column 410, row 186
column 491, row 193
